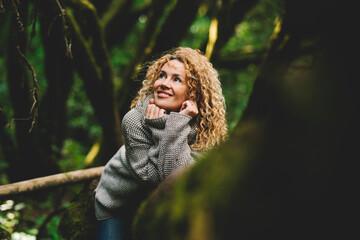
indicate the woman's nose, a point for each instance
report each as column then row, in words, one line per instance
column 166, row 83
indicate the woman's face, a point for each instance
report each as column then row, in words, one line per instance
column 170, row 88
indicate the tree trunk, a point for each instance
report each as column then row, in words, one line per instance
column 92, row 63
column 79, row 222
column 6, row 142
column 59, row 75
column 31, row 161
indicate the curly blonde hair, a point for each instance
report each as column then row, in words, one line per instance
column 203, row 86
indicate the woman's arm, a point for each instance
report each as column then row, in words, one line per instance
column 158, row 146
column 138, row 140
column 173, row 142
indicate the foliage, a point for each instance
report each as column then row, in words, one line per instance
column 237, row 87
column 83, row 126
column 198, row 32
column 10, row 217
column 253, row 33
column 36, row 216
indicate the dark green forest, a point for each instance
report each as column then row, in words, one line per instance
column 70, row 68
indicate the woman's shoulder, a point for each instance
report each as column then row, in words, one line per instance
column 133, row 116
column 136, row 115
column 139, row 110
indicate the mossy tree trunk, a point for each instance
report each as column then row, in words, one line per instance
column 59, row 74
column 287, row 170
column 29, row 157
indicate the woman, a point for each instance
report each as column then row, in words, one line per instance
column 177, row 114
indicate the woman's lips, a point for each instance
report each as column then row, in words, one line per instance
column 163, row 94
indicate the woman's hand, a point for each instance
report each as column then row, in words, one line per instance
column 153, row 111
column 189, row 107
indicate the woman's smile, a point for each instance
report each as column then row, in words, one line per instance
column 163, row 94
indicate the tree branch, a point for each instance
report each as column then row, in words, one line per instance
column 61, row 179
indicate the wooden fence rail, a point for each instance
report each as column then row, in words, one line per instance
column 61, row 179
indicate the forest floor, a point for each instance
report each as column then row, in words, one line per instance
column 36, row 215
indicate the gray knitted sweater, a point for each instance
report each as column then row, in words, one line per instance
column 153, row 149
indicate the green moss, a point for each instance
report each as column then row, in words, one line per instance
column 188, row 208
column 78, row 222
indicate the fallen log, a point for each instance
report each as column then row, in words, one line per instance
column 61, row 179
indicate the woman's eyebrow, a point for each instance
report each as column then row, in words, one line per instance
column 174, row 74
column 178, row 75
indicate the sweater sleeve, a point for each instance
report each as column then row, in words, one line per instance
column 137, row 143
column 172, row 143
column 156, row 147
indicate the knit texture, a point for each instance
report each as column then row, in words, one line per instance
column 153, row 149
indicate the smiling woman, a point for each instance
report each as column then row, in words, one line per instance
column 177, row 115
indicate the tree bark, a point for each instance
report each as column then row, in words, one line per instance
column 31, row 161
column 59, row 76
column 6, row 142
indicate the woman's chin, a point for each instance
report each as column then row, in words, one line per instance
column 167, row 107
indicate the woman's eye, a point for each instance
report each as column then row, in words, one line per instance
column 162, row 75
column 177, row 79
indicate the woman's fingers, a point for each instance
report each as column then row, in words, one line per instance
column 149, row 111
column 183, row 106
column 161, row 112
column 153, row 111
column 189, row 107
